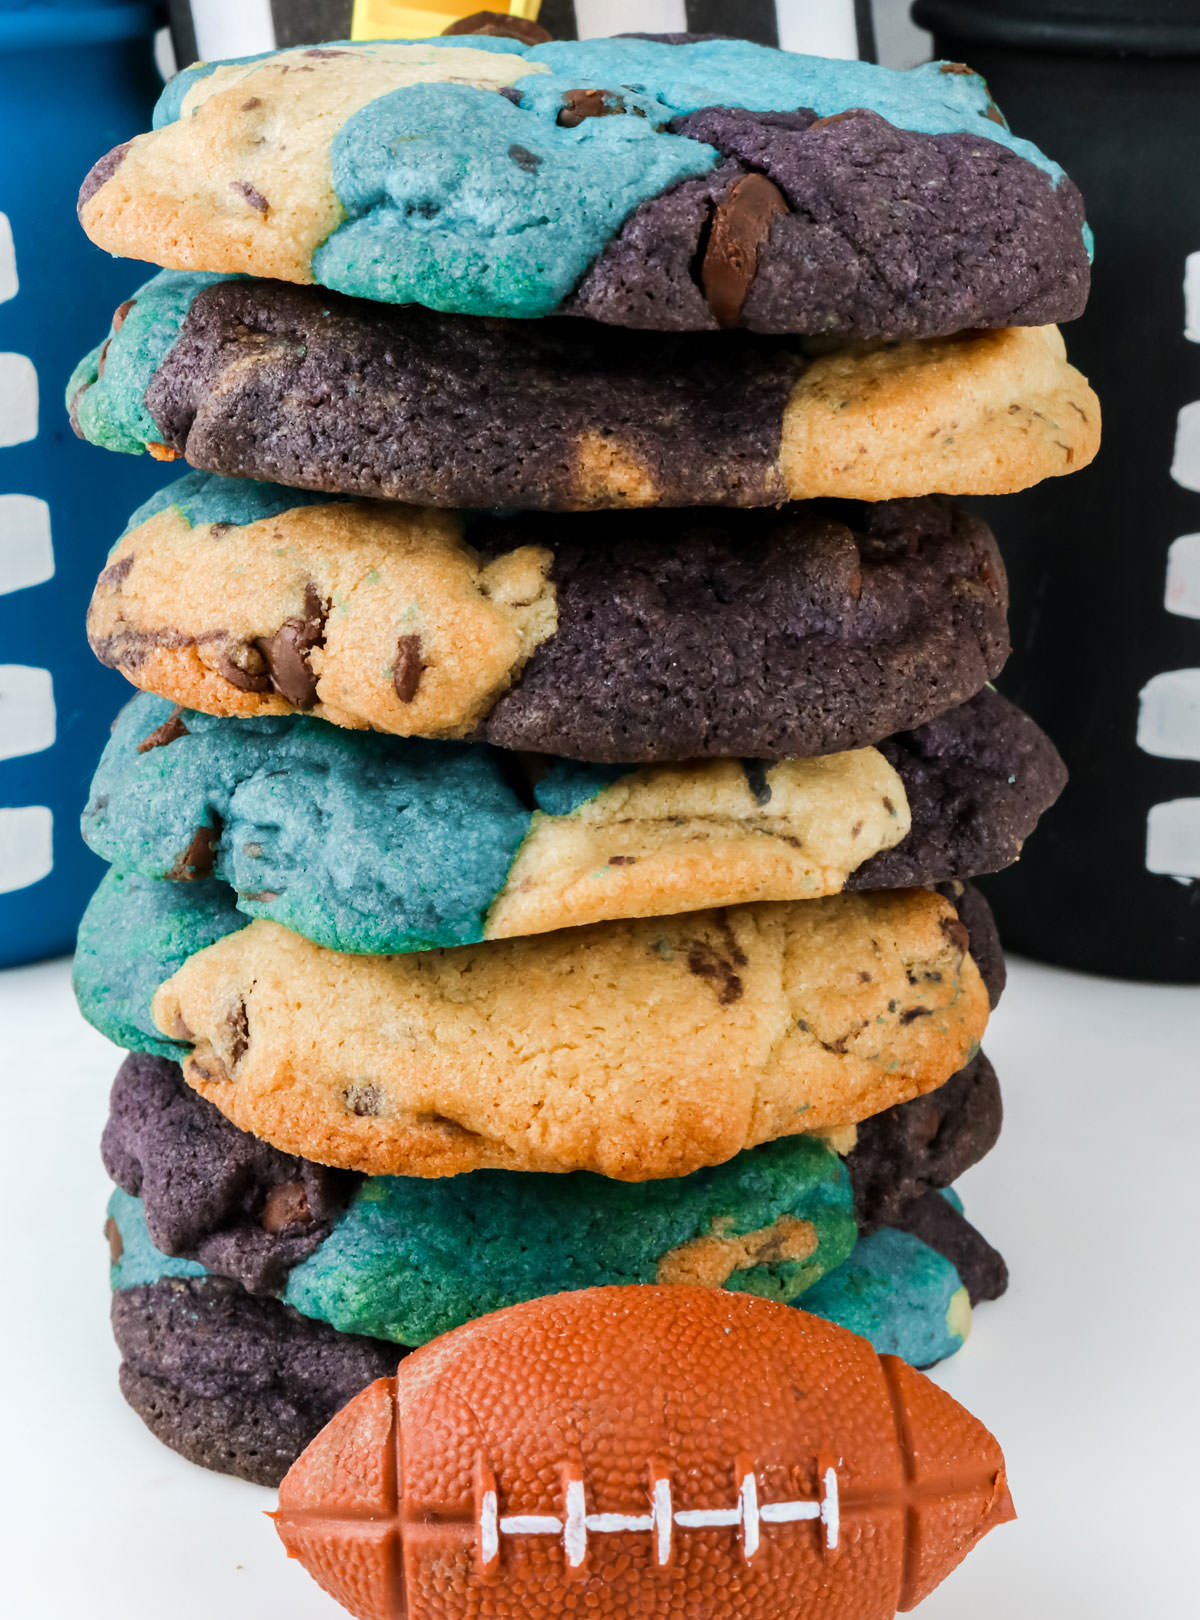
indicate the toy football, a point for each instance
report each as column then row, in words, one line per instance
column 643, row 1451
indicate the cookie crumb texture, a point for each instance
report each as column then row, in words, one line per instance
column 640, row 1050
column 695, row 1410
column 262, row 380
column 232, row 1382
column 686, row 187
column 625, row 639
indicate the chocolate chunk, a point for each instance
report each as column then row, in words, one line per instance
column 244, row 667
column 170, row 731
column 116, row 1246
column 237, row 1023
column 249, row 106
column 580, row 104
column 957, row 934
column 287, row 652
column 756, row 779
column 102, row 357
column 121, row 313
column 740, row 226
column 911, row 1014
column 406, row 675
column 622, row 860
column 706, row 962
column 286, row 1205
column 527, row 161
column 500, row 25
column 196, row 862
column 252, row 195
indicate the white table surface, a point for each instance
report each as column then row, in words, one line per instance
column 1087, row 1370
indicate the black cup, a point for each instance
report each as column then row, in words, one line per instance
column 1103, row 657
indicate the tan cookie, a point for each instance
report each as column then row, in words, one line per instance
column 398, row 624
column 637, row 1049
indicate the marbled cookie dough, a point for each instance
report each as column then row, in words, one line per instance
column 649, row 184
column 371, row 844
column 258, row 379
column 241, row 1383
column 657, row 635
column 405, row 1259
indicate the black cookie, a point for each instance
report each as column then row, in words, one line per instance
column 821, row 627
column 977, row 779
column 919, row 1146
column 940, row 1224
column 232, row 1382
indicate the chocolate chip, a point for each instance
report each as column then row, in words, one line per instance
column 170, row 731
column 707, row 963
column 252, row 195
column 911, row 1014
column 756, row 779
column 121, row 314
column 116, row 1244
column 326, row 54
column 286, row 1205
column 254, row 101
column 287, row 652
column 580, row 104
column 622, row 860
column 993, row 112
column 739, row 228
column 244, row 666
column 406, row 673
column 500, row 26
column 958, row 67
column 524, row 159
column 196, row 862
column 237, row 1023
column 102, row 357
column 209, row 1068
column 116, row 572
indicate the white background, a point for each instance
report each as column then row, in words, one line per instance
column 1087, row 1370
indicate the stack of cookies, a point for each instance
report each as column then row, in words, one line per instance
column 540, row 846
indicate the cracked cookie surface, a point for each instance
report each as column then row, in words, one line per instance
column 690, row 186
column 259, row 379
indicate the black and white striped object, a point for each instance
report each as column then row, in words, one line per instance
column 873, row 29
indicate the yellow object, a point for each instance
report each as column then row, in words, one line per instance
column 387, row 19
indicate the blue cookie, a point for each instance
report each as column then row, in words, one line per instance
column 369, row 843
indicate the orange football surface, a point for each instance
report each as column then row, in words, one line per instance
column 675, row 1453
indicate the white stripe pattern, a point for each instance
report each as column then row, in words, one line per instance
column 577, row 1525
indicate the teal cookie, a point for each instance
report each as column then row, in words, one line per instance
column 899, row 1293
column 135, row 933
column 893, row 1289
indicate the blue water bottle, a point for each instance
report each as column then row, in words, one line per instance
column 76, row 77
